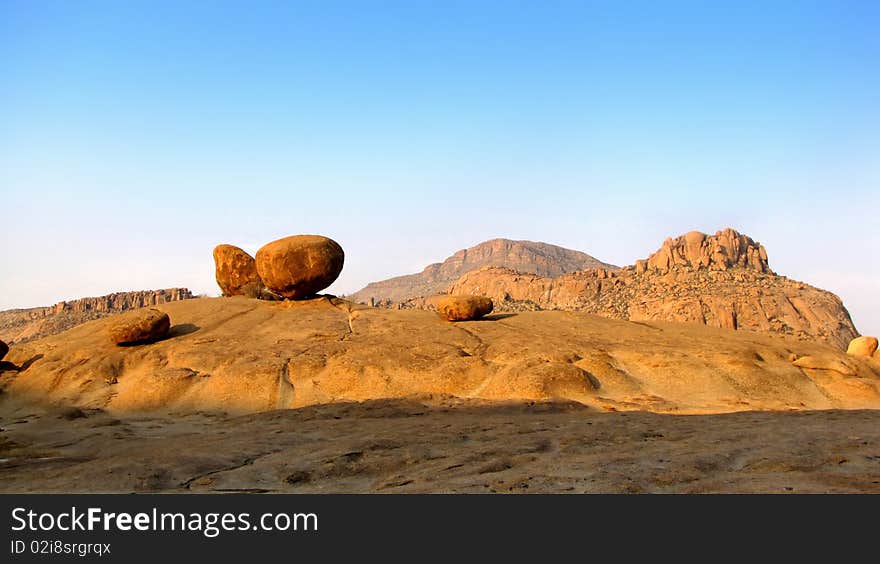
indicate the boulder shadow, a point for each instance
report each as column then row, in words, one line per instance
column 496, row 316
column 181, row 330
column 11, row 366
column 175, row 331
column 27, row 364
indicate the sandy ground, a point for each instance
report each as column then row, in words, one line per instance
column 438, row 444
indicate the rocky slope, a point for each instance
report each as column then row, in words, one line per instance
column 22, row 325
column 246, row 355
column 723, row 280
column 523, row 256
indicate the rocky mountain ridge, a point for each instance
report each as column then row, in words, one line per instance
column 721, row 280
column 523, row 256
column 22, row 325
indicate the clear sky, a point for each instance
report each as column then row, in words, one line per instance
column 135, row 136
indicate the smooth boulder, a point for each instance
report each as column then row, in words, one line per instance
column 862, row 346
column 140, row 326
column 462, row 308
column 299, row 266
column 236, row 272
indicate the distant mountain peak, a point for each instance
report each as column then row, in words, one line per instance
column 528, row 257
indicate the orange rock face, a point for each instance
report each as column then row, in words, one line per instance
column 461, row 308
column 236, row 272
column 141, row 326
column 299, row 266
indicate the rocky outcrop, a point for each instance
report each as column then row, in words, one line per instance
column 142, row 326
column 862, row 346
column 726, row 249
column 123, row 301
column 461, row 308
column 251, row 355
column 722, row 280
column 236, row 272
column 4, row 348
column 23, row 325
column 523, row 256
column 299, row 266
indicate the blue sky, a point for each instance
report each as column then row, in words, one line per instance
column 135, row 136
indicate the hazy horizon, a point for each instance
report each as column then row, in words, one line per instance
column 137, row 136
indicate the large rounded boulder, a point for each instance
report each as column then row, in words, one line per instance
column 862, row 346
column 236, row 272
column 299, row 266
column 140, row 326
column 461, row 308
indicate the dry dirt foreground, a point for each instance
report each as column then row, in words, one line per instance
column 401, row 401
column 439, row 445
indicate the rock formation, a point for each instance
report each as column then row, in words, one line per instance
column 523, row 256
column 461, row 308
column 726, row 249
column 141, row 326
column 4, row 348
column 23, row 325
column 252, row 355
column 236, row 272
column 299, row 266
column 722, row 280
column 862, row 346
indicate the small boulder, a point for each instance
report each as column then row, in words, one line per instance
column 140, row 326
column 299, row 266
column 862, row 346
column 236, row 272
column 462, row 308
column 4, row 348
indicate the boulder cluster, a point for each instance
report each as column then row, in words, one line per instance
column 300, row 266
column 294, row 267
